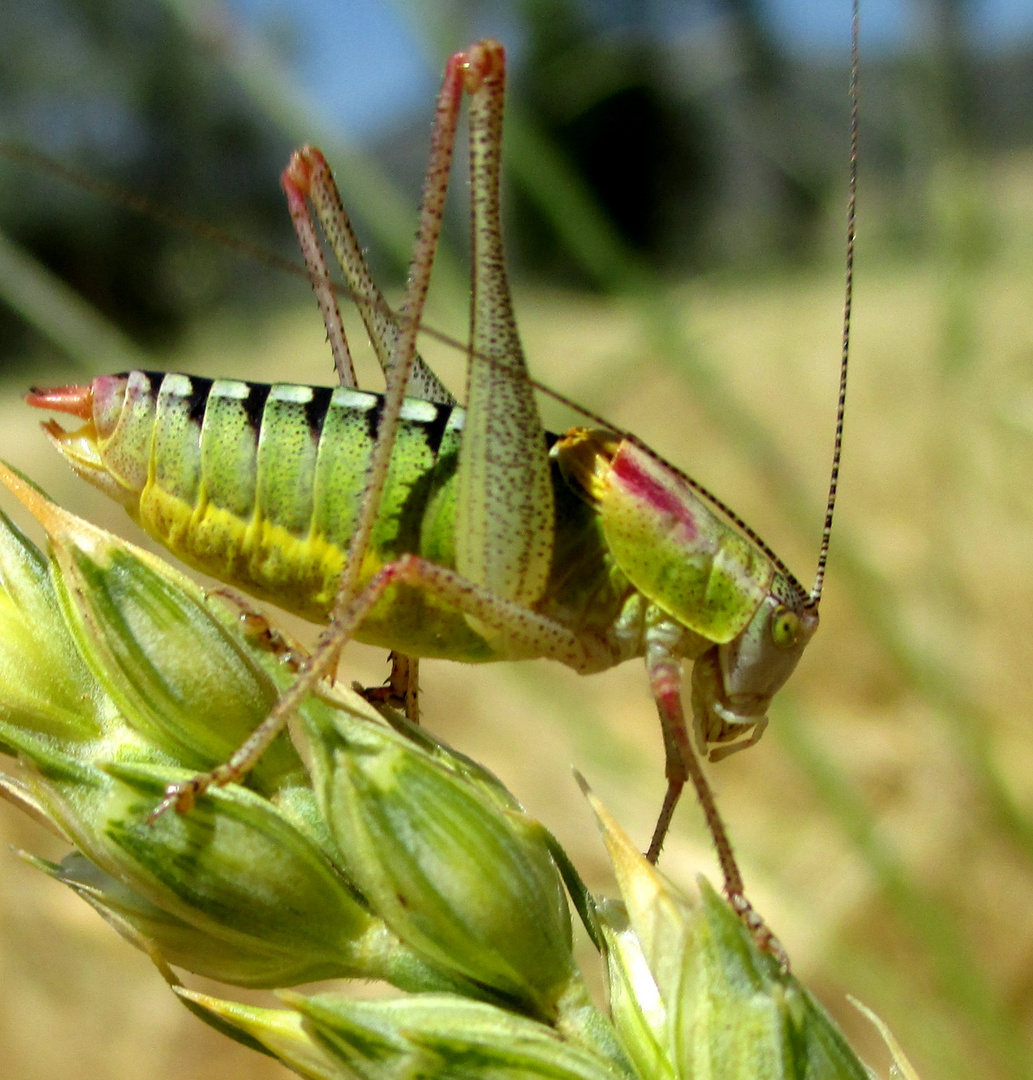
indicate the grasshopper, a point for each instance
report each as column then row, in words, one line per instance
column 440, row 531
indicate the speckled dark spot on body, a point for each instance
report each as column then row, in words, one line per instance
column 434, row 430
column 373, row 418
column 254, row 404
column 316, row 409
column 197, row 400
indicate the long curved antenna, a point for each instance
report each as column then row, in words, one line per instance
column 837, row 450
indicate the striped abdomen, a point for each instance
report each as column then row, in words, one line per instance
column 260, row 486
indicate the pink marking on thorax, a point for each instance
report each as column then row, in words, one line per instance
column 648, row 489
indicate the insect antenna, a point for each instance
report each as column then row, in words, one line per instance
column 837, row 448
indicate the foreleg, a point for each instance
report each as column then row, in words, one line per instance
column 682, row 763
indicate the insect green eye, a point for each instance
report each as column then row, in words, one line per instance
column 785, row 628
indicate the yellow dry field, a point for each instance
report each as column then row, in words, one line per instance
column 885, row 822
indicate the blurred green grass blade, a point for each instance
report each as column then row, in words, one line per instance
column 61, row 315
column 388, row 215
column 539, row 166
column 546, row 176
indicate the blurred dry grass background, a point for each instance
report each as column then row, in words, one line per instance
column 885, row 822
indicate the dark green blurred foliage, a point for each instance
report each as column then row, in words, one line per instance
column 116, row 88
column 600, row 96
column 703, row 142
column 710, row 142
column 694, row 135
